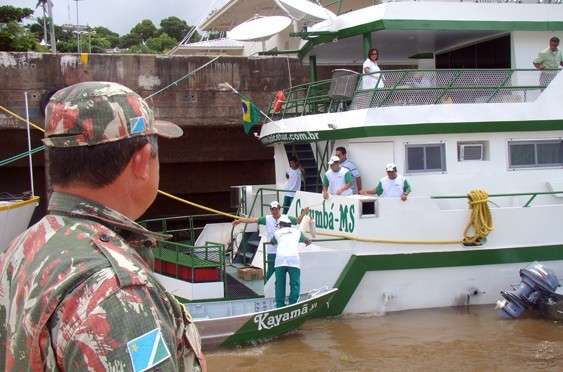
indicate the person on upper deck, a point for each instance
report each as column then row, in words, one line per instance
column 293, row 184
column 370, row 66
column 346, row 163
column 337, row 180
column 272, row 225
column 391, row 186
column 549, row 59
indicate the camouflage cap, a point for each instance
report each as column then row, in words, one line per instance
column 97, row 112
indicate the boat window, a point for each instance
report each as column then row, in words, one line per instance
column 369, row 208
column 426, row 158
column 527, row 154
column 472, row 150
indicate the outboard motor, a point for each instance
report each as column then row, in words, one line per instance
column 538, row 282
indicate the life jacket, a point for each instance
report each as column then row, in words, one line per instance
column 279, row 100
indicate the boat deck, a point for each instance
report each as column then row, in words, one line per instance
column 239, row 288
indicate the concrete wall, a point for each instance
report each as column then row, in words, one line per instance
column 214, row 152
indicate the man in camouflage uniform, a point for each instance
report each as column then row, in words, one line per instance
column 77, row 291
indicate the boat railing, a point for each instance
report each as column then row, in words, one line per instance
column 195, row 264
column 528, row 203
column 184, row 229
column 348, row 90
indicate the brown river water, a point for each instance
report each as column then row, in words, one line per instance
column 450, row 339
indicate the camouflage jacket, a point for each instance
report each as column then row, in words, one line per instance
column 77, row 294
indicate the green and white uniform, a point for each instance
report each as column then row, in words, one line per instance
column 392, row 188
column 335, row 180
column 272, row 225
column 287, row 262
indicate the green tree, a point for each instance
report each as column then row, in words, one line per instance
column 174, row 27
column 161, row 43
column 146, row 29
column 15, row 38
column 10, row 13
column 128, row 40
column 97, row 43
column 107, row 34
column 141, row 49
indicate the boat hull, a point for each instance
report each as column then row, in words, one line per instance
column 380, row 283
column 14, row 219
column 256, row 326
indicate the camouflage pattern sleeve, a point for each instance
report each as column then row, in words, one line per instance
column 101, row 326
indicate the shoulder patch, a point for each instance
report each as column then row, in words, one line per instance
column 137, row 125
column 148, row 350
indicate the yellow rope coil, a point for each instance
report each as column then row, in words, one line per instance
column 481, row 220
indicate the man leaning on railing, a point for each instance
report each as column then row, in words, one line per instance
column 549, row 59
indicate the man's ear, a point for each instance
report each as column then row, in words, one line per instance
column 140, row 162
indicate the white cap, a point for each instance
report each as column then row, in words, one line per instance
column 333, row 159
column 284, row 219
column 275, row 204
column 391, row 167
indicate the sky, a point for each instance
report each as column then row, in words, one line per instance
column 121, row 15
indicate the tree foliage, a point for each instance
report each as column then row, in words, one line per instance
column 10, row 13
column 16, row 38
column 161, row 43
column 145, row 29
column 174, row 27
column 144, row 37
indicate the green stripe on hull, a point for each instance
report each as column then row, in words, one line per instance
column 415, row 129
column 357, row 266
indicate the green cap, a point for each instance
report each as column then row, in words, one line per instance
column 95, row 112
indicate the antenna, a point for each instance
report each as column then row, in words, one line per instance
column 300, row 10
column 259, row 29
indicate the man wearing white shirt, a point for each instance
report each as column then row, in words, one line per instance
column 271, row 222
column 346, row 163
column 337, row 180
column 287, row 261
column 293, row 184
column 391, row 186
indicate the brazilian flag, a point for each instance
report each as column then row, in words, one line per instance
column 250, row 114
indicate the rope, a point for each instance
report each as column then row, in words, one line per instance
column 199, row 205
column 20, row 118
column 21, row 156
column 174, row 83
column 389, row 241
column 481, row 220
column 18, row 204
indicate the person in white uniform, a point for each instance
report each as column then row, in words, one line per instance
column 271, row 222
column 370, row 66
column 337, row 180
column 293, row 184
column 391, row 186
column 346, row 163
column 287, row 261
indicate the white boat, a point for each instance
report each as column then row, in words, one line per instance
column 255, row 320
column 496, row 126
column 15, row 214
